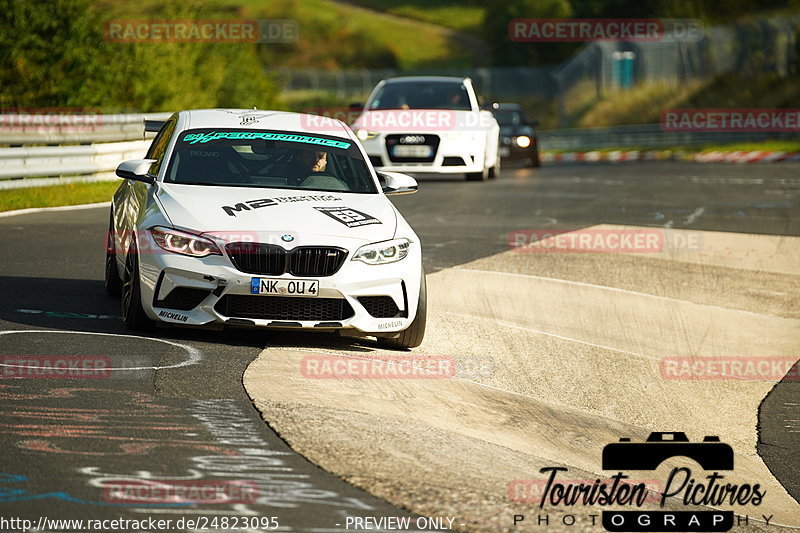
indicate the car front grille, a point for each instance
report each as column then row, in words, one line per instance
column 316, row 261
column 394, row 140
column 273, row 260
column 379, row 306
column 257, row 258
column 284, row 308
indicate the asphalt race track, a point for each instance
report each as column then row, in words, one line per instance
column 181, row 415
column 173, row 407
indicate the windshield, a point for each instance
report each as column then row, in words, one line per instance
column 508, row 118
column 269, row 159
column 422, row 95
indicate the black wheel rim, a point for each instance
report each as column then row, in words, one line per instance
column 127, row 286
column 110, row 257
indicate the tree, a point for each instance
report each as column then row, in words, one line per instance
column 52, row 53
column 506, row 52
column 55, row 54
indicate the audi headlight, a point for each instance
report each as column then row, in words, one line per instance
column 184, row 243
column 364, row 135
column 523, row 141
column 383, row 252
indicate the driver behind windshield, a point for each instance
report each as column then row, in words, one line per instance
column 306, row 162
column 315, row 161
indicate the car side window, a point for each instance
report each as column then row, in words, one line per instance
column 159, row 146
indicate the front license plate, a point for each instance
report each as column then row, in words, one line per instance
column 308, row 288
column 412, row 150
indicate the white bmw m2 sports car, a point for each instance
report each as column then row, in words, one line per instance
column 254, row 218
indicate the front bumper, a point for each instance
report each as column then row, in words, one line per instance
column 211, row 292
column 510, row 150
column 449, row 157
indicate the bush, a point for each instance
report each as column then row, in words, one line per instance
column 55, row 55
column 504, row 51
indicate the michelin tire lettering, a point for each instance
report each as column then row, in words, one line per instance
column 173, row 316
column 392, row 324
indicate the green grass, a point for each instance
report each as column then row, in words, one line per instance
column 57, row 195
column 462, row 17
column 638, row 105
column 644, row 103
column 331, row 35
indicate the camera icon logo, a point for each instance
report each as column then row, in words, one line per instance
column 711, row 454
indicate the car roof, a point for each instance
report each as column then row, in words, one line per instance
column 420, row 79
column 263, row 119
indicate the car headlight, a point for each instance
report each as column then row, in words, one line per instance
column 365, row 135
column 380, row 253
column 184, row 243
column 523, row 141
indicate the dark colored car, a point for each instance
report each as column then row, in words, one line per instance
column 518, row 140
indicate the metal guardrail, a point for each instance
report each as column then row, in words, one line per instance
column 36, row 162
column 77, row 147
column 17, row 129
column 643, row 136
column 32, row 166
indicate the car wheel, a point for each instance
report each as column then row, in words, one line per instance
column 113, row 283
column 132, row 312
column 478, row 176
column 536, row 161
column 494, row 172
column 412, row 336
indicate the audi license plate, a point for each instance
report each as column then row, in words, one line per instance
column 412, row 150
column 308, row 288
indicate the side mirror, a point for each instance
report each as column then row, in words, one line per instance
column 396, row 183
column 357, row 105
column 136, row 169
column 154, row 126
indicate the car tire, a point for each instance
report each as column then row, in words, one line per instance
column 412, row 336
column 132, row 311
column 536, row 161
column 494, row 172
column 478, row 176
column 112, row 283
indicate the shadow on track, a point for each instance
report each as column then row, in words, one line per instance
column 84, row 306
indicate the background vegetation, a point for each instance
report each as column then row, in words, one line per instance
column 54, row 53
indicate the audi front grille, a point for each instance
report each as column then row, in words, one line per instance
column 394, row 140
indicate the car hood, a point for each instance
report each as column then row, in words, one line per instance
column 421, row 120
column 268, row 215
